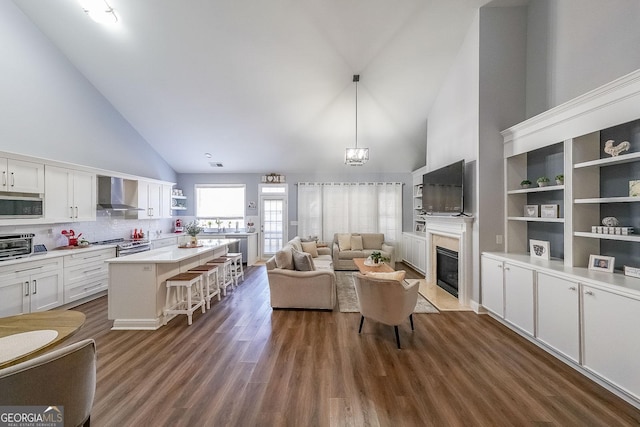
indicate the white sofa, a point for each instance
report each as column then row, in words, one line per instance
column 290, row 288
column 343, row 255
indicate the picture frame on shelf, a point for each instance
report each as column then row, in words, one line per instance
column 531, row 211
column 420, row 228
column 549, row 211
column 539, row 249
column 601, row 263
column 634, row 188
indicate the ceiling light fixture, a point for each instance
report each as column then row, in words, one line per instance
column 354, row 156
column 207, row 155
column 99, row 11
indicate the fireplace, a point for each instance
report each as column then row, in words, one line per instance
column 447, row 270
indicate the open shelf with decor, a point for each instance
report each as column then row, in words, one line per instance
column 534, row 196
column 569, row 306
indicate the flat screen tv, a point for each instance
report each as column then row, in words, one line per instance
column 443, row 190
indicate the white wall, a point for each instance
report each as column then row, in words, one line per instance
column 50, row 110
column 578, row 45
column 452, row 131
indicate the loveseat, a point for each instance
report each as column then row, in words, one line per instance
column 347, row 246
column 301, row 276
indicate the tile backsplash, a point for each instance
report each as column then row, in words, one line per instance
column 106, row 226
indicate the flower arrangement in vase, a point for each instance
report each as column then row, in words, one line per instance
column 193, row 229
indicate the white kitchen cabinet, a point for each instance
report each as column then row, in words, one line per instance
column 149, row 200
column 165, row 201
column 414, row 251
column 611, row 337
column 21, row 177
column 558, row 318
column 492, row 285
column 70, row 195
column 86, row 273
column 519, row 297
column 31, row 286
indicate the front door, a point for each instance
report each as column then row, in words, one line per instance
column 273, row 219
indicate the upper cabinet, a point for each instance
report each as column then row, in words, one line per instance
column 154, row 200
column 70, row 195
column 21, row 176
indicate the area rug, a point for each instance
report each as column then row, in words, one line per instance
column 348, row 302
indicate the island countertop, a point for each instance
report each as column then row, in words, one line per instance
column 172, row 254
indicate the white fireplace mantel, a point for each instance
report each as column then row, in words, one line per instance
column 459, row 228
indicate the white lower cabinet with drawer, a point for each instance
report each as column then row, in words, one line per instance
column 31, row 286
column 86, row 273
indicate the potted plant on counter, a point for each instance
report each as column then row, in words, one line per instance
column 193, row 229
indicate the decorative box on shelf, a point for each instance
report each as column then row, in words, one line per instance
column 603, row 229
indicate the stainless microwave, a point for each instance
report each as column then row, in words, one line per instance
column 21, row 206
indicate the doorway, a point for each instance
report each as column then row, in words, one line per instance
column 273, row 218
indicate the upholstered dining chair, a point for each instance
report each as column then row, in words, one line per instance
column 64, row 377
column 385, row 301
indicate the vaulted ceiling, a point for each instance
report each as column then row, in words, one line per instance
column 266, row 86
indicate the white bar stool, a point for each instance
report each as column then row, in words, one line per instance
column 211, row 285
column 192, row 282
column 226, row 278
column 236, row 258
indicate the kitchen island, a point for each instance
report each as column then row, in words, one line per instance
column 137, row 289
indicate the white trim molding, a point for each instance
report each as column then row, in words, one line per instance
column 609, row 105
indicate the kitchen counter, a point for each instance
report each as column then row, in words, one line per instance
column 137, row 283
column 54, row 253
column 172, row 254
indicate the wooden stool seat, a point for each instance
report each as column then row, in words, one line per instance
column 211, row 285
column 192, row 282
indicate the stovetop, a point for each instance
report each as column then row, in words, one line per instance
column 123, row 243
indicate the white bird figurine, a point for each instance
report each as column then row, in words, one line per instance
column 614, row 151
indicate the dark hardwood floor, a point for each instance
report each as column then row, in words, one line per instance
column 244, row 364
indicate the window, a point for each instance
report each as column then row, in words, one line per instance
column 223, row 202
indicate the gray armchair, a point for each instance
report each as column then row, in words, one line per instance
column 386, row 301
column 65, row 377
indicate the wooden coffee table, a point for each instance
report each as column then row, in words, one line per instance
column 364, row 269
column 22, row 332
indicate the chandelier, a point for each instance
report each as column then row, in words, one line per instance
column 354, row 156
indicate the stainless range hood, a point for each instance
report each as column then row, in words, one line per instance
column 111, row 196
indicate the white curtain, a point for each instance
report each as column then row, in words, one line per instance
column 328, row 208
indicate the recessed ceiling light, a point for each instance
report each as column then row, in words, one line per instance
column 207, row 155
column 215, row 164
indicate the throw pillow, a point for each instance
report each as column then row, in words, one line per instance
column 344, row 241
column 284, row 259
column 394, row 275
column 302, row 261
column 356, row 243
column 310, row 248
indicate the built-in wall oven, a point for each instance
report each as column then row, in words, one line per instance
column 16, row 245
column 20, row 205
